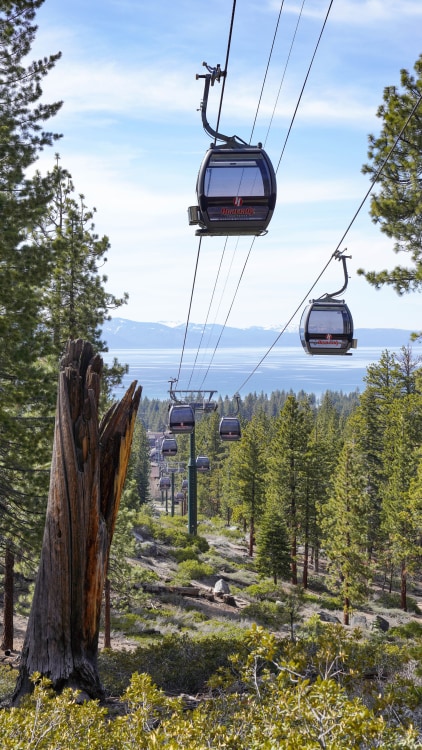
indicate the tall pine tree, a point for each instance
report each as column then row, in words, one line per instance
column 287, row 477
column 345, row 529
column 23, row 268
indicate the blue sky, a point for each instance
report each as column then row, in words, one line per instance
column 133, row 141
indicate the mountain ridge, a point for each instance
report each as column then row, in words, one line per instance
column 121, row 333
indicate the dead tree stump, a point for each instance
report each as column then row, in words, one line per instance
column 89, row 465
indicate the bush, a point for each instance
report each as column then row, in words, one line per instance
column 269, row 614
column 178, row 663
column 7, row 682
column 393, row 601
column 331, row 603
column 188, row 553
column 192, row 569
column 411, row 630
column 265, row 590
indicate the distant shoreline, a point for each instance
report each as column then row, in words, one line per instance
column 120, row 333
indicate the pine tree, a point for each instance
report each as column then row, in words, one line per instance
column 345, row 529
column 396, row 203
column 247, row 473
column 23, row 270
column 286, row 480
column 210, row 485
column 76, row 303
column 273, row 552
column 324, row 446
column 386, row 381
column 399, row 503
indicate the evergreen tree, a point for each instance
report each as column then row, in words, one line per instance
column 400, row 507
column 396, row 205
column 247, row 473
column 23, row 271
column 23, row 268
column 210, row 485
column 324, row 446
column 345, row 530
column 76, row 303
column 286, row 480
column 386, row 381
column 273, row 552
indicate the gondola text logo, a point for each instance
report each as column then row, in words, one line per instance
column 239, row 209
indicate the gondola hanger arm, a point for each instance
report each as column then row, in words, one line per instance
column 339, row 255
column 215, row 74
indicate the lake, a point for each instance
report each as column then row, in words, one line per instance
column 236, row 370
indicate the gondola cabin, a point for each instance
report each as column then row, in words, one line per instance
column 169, row 446
column 181, row 419
column 179, row 497
column 236, row 191
column 230, row 428
column 165, row 483
column 185, row 484
column 202, row 463
column 326, row 327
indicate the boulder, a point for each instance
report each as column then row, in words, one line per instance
column 326, row 617
column 380, row 623
column 221, row 587
column 359, row 621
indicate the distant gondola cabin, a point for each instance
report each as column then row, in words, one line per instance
column 202, row 463
column 230, row 428
column 236, row 191
column 181, row 419
column 165, row 483
column 326, row 327
column 169, row 446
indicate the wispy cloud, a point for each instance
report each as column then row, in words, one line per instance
column 356, row 12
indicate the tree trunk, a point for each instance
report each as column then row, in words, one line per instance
column 305, row 565
column 251, row 536
column 9, row 565
column 107, row 618
column 403, row 587
column 293, row 556
column 316, row 564
column 88, row 471
column 346, row 610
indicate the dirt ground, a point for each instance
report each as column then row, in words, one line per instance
column 234, row 552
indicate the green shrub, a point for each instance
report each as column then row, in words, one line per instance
column 327, row 602
column 315, row 583
column 266, row 613
column 188, row 553
column 411, row 630
column 7, row 682
column 392, row 601
column 177, row 663
column 265, row 590
column 191, row 569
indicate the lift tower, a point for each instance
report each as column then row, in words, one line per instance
column 199, row 401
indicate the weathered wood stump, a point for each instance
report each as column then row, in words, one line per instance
column 89, row 465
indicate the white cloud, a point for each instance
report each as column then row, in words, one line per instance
column 357, row 12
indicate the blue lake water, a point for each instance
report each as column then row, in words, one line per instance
column 238, row 370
